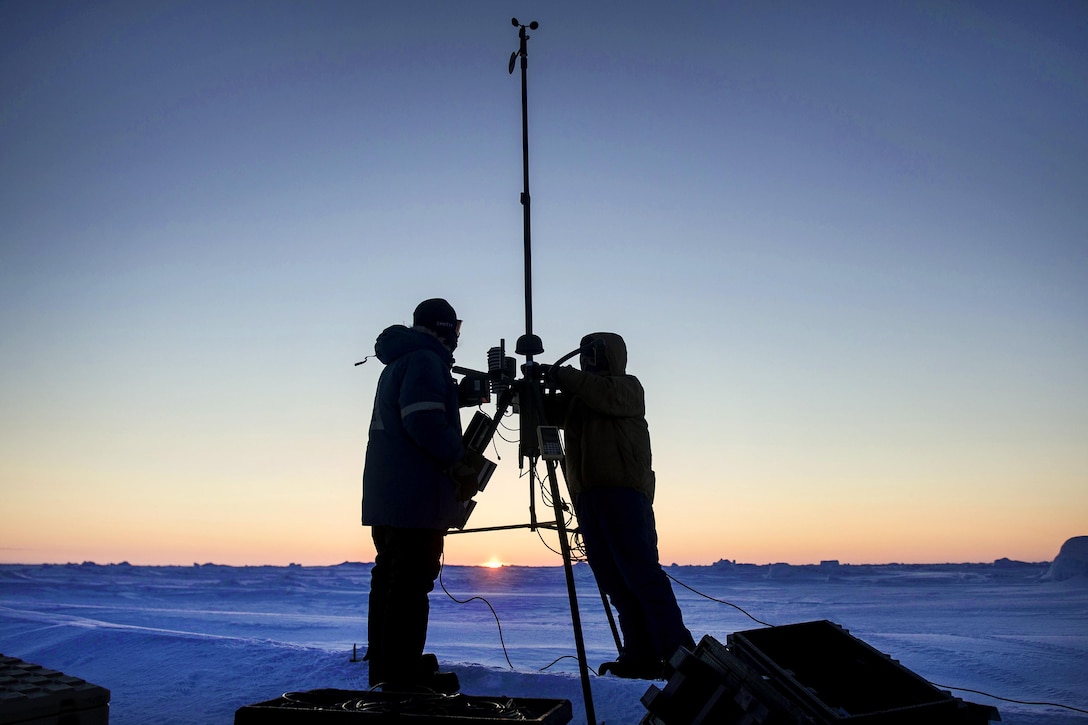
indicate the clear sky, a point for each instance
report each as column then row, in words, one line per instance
column 846, row 242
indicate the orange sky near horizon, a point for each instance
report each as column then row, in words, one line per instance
column 746, row 533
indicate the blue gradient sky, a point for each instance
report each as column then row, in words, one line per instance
column 847, row 244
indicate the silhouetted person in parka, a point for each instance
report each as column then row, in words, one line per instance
column 409, row 496
column 602, row 411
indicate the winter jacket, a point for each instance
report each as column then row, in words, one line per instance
column 604, row 422
column 415, row 435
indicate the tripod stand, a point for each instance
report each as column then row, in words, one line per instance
column 537, row 439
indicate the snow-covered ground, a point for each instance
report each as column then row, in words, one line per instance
column 194, row 644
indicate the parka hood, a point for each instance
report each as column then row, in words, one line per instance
column 399, row 340
column 615, row 352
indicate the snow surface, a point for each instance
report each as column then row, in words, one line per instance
column 193, row 644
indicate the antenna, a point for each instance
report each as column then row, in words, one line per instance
column 528, row 344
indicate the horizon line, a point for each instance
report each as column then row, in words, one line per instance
column 721, row 563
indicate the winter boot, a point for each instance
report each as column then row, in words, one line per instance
column 634, row 669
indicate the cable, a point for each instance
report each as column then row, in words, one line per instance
column 547, row 500
column 546, row 544
column 577, row 545
column 504, row 439
column 574, row 559
column 1007, row 699
column 566, row 657
column 466, row 601
column 719, row 601
column 391, row 706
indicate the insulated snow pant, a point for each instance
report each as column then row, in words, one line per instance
column 405, row 568
column 620, row 536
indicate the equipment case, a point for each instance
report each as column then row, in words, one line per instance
column 33, row 695
column 813, row 672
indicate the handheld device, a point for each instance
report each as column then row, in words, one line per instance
column 551, row 447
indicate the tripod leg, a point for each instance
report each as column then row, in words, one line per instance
column 568, row 569
column 611, row 620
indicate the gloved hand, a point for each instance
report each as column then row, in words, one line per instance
column 568, row 378
column 473, row 390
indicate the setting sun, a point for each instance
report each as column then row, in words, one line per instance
column 494, row 563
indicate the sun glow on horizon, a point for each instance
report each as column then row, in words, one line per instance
column 493, row 563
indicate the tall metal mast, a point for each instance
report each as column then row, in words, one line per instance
column 532, row 396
